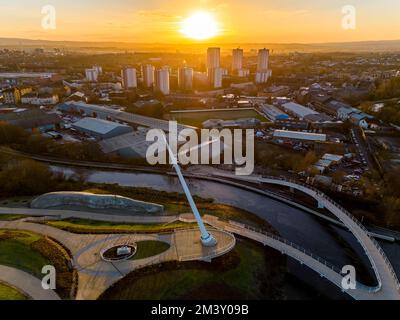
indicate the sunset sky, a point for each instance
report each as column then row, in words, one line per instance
column 278, row 21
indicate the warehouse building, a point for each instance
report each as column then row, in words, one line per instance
column 34, row 120
column 101, row 129
column 108, row 113
column 298, row 110
column 129, row 145
column 298, row 135
column 273, row 113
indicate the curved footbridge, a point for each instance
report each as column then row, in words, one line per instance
column 388, row 287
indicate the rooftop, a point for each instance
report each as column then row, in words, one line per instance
column 298, row 109
column 299, row 135
column 29, row 118
column 98, row 125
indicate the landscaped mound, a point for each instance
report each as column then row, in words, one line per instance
column 95, row 201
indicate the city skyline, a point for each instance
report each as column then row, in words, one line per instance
column 158, row 21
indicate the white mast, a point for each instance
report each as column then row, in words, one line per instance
column 206, row 238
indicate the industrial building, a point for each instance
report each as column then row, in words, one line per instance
column 129, row 145
column 101, row 129
column 273, row 112
column 239, row 123
column 298, row 110
column 298, row 135
column 35, row 120
column 108, row 113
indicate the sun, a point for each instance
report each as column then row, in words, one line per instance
column 200, row 26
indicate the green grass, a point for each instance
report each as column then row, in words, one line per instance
column 9, row 293
column 149, row 248
column 245, row 273
column 197, row 118
column 92, row 226
column 30, row 252
column 11, row 217
column 16, row 251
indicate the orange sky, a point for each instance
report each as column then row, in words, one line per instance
column 279, row 21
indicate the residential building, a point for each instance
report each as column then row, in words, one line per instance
column 263, row 60
column 185, row 78
column 39, row 99
column 148, row 73
column 91, row 75
column 162, row 81
column 129, row 78
column 237, row 60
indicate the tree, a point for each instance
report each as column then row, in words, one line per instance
column 25, row 177
column 10, row 134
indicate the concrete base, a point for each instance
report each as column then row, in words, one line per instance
column 209, row 241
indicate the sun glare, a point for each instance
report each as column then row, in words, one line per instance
column 200, row 26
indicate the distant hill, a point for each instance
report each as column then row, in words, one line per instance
column 384, row 45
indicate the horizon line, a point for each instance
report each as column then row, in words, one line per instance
column 201, row 42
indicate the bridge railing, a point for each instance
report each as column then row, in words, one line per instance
column 305, row 251
column 358, row 223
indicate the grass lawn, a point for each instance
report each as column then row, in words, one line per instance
column 149, row 248
column 30, row 252
column 11, row 217
column 92, row 226
column 10, row 293
column 248, row 272
column 16, row 251
column 197, row 118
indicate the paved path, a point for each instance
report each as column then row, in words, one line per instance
column 95, row 287
column 65, row 214
column 95, row 275
column 26, row 283
column 388, row 284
